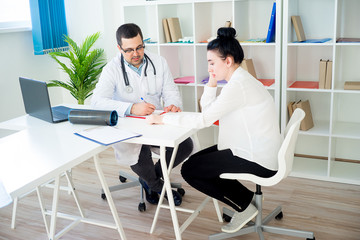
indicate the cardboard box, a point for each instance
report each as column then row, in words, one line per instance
column 352, row 86
column 248, row 65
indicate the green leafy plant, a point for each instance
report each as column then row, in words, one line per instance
column 85, row 67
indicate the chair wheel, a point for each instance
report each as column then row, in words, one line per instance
column 103, row 196
column 122, row 179
column 181, row 191
column 279, row 216
column 226, row 217
column 142, row 207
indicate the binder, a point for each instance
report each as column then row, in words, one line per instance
column 248, row 65
column 166, row 30
column 174, row 28
column 352, row 85
column 322, row 74
column 328, row 79
column 299, row 30
column 271, row 32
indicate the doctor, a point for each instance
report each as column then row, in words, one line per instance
column 137, row 82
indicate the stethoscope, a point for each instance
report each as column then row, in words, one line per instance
column 128, row 88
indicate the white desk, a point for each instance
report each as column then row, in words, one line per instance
column 41, row 151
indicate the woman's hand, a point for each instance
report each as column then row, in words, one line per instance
column 154, row 119
column 212, row 81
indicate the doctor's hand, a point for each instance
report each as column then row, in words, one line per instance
column 154, row 119
column 172, row 108
column 142, row 109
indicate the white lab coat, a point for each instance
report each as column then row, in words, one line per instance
column 110, row 94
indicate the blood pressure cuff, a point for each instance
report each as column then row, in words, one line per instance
column 93, row 117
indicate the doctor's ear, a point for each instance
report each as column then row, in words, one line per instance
column 118, row 46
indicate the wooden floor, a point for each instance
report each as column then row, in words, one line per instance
column 330, row 210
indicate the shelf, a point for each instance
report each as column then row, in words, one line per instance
column 346, row 130
column 345, row 172
column 321, row 128
column 317, row 170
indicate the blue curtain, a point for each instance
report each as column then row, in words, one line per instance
column 48, row 26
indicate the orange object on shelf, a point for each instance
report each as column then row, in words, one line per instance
column 267, row 82
column 305, row 84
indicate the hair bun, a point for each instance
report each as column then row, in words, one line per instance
column 226, row 32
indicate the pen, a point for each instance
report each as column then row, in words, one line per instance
column 143, row 100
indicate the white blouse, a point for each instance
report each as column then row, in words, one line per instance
column 248, row 124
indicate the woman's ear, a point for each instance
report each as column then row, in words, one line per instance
column 229, row 61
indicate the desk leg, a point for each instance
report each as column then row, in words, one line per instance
column 54, row 208
column 105, row 187
column 167, row 187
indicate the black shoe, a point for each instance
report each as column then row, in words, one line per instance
column 151, row 196
column 177, row 198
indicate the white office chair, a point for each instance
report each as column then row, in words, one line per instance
column 285, row 161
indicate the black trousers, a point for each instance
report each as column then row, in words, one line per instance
column 152, row 173
column 202, row 171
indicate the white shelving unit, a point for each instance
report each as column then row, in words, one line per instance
column 332, row 146
column 200, row 19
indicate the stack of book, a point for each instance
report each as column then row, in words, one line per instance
column 172, row 29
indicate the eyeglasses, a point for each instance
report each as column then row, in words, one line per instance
column 132, row 50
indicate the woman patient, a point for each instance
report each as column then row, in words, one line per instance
column 249, row 135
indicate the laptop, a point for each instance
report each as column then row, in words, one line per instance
column 37, row 103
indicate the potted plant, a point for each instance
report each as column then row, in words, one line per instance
column 84, row 70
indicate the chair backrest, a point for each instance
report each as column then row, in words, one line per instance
column 287, row 149
column 285, row 154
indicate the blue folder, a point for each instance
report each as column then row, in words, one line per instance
column 271, row 32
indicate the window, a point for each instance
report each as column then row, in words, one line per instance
column 14, row 15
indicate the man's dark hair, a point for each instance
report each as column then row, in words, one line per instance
column 128, row 30
column 227, row 45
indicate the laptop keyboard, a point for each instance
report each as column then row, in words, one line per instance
column 59, row 115
column 60, row 112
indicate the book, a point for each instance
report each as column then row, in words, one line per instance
column 271, row 32
column 322, row 73
column 299, row 30
column 106, row 135
column 347, row 40
column 248, row 65
column 320, row 40
column 328, row 78
column 267, row 82
column 227, row 24
column 305, row 84
column 166, row 30
column 185, row 80
column 351, row 85
column 174, row 29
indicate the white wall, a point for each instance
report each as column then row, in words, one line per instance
column 84, row 17
column 17, row 59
